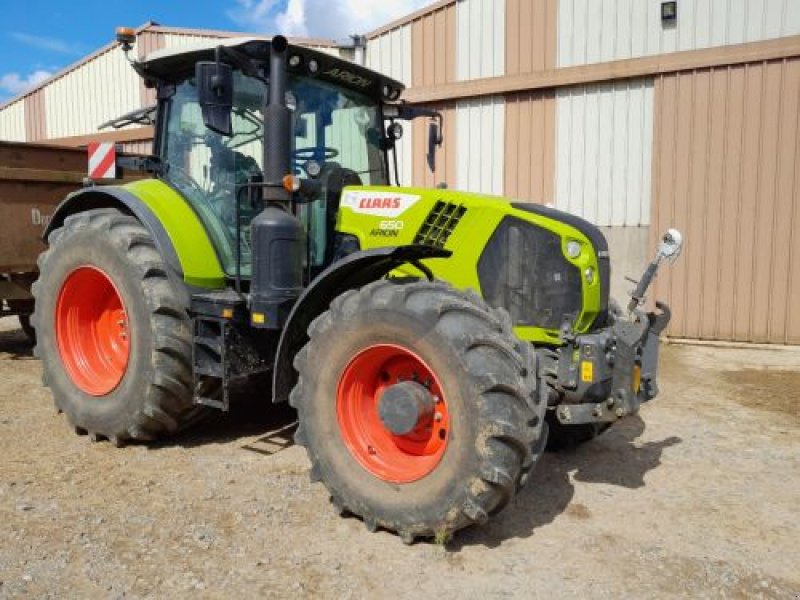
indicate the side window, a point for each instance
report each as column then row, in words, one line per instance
column 207, row 167
column 348, row 133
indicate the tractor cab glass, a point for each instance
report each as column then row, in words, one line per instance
column 333, row 129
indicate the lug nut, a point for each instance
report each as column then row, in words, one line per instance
column 620, row 412
column 437, row 417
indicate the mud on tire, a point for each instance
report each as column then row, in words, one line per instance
column 154, row 396
column 488, row 377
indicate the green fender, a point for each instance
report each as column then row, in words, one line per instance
column 178, row 232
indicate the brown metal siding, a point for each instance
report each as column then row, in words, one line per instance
column 433, row 56
column 531, row 29
column 137, row 147
column 35, row 118
column 433, row 47
column 725, row 172
column 530, row 146
column 149, row 42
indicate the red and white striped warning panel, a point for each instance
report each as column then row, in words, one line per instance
column 102, row 160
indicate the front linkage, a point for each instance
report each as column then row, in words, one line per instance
column 603, row 376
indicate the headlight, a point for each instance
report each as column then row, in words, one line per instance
column 573, row 249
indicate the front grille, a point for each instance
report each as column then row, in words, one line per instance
column 524, row 271
column 440, row 224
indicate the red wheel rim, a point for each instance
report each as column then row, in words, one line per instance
column 92, row 331
column 392, row 458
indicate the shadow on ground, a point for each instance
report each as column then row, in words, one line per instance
column 15, row 345
column 252, row 413
column 612, row 459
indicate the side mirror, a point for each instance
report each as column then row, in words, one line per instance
column 435, row 140
column 215, row 95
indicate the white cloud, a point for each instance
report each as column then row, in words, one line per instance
column 14, row 83
column 293, row 20
column 48, row 43
column 320, row 18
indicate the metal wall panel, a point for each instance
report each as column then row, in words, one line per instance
column 530, row 146
column 12, row 122
column 531, row 31
column 179, row 40
column 390, row 53
column 147, row 43
column 727, row 173
column 138, row 147
column 480, row 38
column 604, row 142
column 78, row 102
column 592, row 31
column 35, row 117
column 434, row 47
column 480, row 138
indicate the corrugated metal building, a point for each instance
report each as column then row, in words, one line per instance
column 603, row 109
column 599, row 107
column 68, row 107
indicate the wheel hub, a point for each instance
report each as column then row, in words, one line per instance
column 392, row 413
column 92, row 331
column 406, row 406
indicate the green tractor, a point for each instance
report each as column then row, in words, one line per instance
column 428, row 339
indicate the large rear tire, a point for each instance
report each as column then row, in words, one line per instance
column 467, row 456
column 113, row 330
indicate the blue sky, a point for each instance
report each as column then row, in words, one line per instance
column 39, row 37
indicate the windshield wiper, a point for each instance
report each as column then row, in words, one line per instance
column 141, row 116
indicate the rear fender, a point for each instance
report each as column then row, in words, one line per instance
column 178, row 233
column 113, row 197
column 352, row 272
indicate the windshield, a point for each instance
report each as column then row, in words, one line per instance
column 333, row 128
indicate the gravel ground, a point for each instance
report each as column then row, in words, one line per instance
column 699, row 498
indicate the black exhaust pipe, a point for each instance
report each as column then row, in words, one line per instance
column 277, row 123
column 278, row 237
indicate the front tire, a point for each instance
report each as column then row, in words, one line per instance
column 467, row 456
column 113, row 330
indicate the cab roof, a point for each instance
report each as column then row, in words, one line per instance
column 176, row 63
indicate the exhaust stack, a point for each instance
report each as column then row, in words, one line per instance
column 278, row 237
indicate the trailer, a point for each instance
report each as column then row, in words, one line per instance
column 34, row 179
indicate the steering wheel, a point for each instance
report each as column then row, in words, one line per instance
column 317, row 153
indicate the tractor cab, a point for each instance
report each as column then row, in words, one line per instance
column 210, row 140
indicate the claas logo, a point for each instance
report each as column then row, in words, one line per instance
column 380, row 203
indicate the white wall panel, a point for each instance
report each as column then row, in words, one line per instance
column 592, row 31
column 12, row 122
column 604, row 140
column 480, row 154
column 390, row 54
column 102, row 89
column 174, row 40
column 480, row 39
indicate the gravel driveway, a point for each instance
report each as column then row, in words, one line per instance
column 699, row 497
